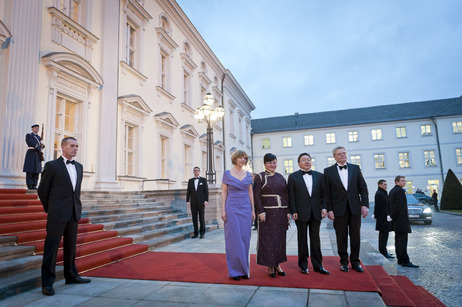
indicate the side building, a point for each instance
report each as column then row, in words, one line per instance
column 419, row 140
column 122, row 76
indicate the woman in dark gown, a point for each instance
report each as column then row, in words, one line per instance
column 272, row 205
column 237, row 212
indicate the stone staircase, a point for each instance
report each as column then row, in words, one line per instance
column 114, row 226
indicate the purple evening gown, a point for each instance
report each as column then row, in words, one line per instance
column 238, row 228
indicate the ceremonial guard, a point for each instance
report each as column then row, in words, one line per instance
column 34, row 157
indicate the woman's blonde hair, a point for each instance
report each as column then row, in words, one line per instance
column 239, row 154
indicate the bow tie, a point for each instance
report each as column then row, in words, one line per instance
column 197, row 178
column 308, row 172
column 342, row 167
column 70, row 161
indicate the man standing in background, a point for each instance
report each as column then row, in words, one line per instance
column 382, row 217
column 197, row 197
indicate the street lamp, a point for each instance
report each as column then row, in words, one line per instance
column 207, row 113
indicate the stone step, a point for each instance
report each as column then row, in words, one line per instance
column 141, row 237
column 115, row 222
column 93, row 206
column 117, row 201
column 7, row 240
column 118, row 211
column 12, row 252
column 18, row 265
column 173, row 237
column 153, row 229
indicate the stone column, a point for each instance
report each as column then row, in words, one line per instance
column 106, row 169
column 18, row 113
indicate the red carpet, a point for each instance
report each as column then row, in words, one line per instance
column 211, row 268
column 418, row 294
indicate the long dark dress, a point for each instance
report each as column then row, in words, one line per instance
column 238, row 227
column 270, row 196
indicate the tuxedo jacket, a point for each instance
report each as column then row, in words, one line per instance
column 381, row 210
column 336, row 195
column 199, row 196
column 301, row 202
column 56, row 193
column 399, row 213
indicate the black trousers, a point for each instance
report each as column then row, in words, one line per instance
column 56, row 230
column 348, row 225
column 197, row 209
column 32, row 179
column 315, row 244
column 401, row 247
column 383, row 240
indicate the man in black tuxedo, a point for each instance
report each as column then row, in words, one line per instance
column 382, row 216
column 33, row 162
column 308, row 208
column 347, row 200
column 197, row 197
column 400, row 221
column 59, row 192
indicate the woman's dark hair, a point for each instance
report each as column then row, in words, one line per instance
column 269, row 157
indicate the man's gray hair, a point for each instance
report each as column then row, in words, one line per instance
column 337, row 148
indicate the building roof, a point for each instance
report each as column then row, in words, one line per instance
column 376, row 114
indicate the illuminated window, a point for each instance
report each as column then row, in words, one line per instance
column 265, row 143
column 433, row 185
column 353, row 136
column 287, row 141
column 404, row 160
column 330, row 138
column 425, row 129
column 309, row 140
column 429, row 156
column 313, row 166
column 457, row 127
column 376, row 134
column 379, row 160
column 409, row 187
column 356, row 160
column 288, row 166
column 401, row 132
column 459, row 156
column 331, row 161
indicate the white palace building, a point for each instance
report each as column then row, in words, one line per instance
column 122, row 76
column 419, row 140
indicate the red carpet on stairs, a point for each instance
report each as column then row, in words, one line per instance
column 22, row 216
column 420, row 296
column 211, row 268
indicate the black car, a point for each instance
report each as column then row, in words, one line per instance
column 417, row 210
column 424, row 198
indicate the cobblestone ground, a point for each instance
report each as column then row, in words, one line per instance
column 436, row 248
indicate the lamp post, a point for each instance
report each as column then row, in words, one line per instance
column 209, row 114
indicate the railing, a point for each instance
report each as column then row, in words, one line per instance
column 161, row 180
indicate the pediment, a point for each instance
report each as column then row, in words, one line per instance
column 166, row 118
column 189, row 130
column 135, row 103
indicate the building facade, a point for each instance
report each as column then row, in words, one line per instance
column 419, row 140
column 122, row 76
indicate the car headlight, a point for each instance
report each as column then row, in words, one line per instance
column 427, row 210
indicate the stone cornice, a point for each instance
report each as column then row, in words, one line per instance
column 72, row 28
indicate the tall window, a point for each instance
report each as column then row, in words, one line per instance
column 130, row 45
column 409, row 187
column 425, row 129
column 459, row 156
column 313, row 164
column 288, row 166
column 330, row 138
column 331, row 161
column 231, row 121
column 309, row 140
column 70, row 8
column 376, row 134
column 204, row 163
column 163, row 157
column 433, row 184
column 187, row 88
column 457, row 127
column 287, row 141
column 404, row 160
column 187, row 161
column 379, row 160
column 66, row 122
column 401, row 132
column 353, row 136
column 429, row 156
column 129, row 150
column 265, row 143
column 163, row 70
column 356, row 159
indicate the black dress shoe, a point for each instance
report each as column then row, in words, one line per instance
column 388, row 256
column 201, row 237
column 245, row 277
column 48, row 290
column 304, row 271
column 410, row 265
column 194, row 236
column 344, row 268
column 236, row 277
column 78, row 280
column 322, row 271
column 358, row 268
column 280, row 271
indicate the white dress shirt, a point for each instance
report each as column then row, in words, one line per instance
column 72, row 172
column 343, row 173
column 196, row 183
column 308, row 182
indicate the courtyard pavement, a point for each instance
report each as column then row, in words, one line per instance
column 130, row 292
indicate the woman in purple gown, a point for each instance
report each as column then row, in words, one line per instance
column 272, row 205
column 237, row 212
